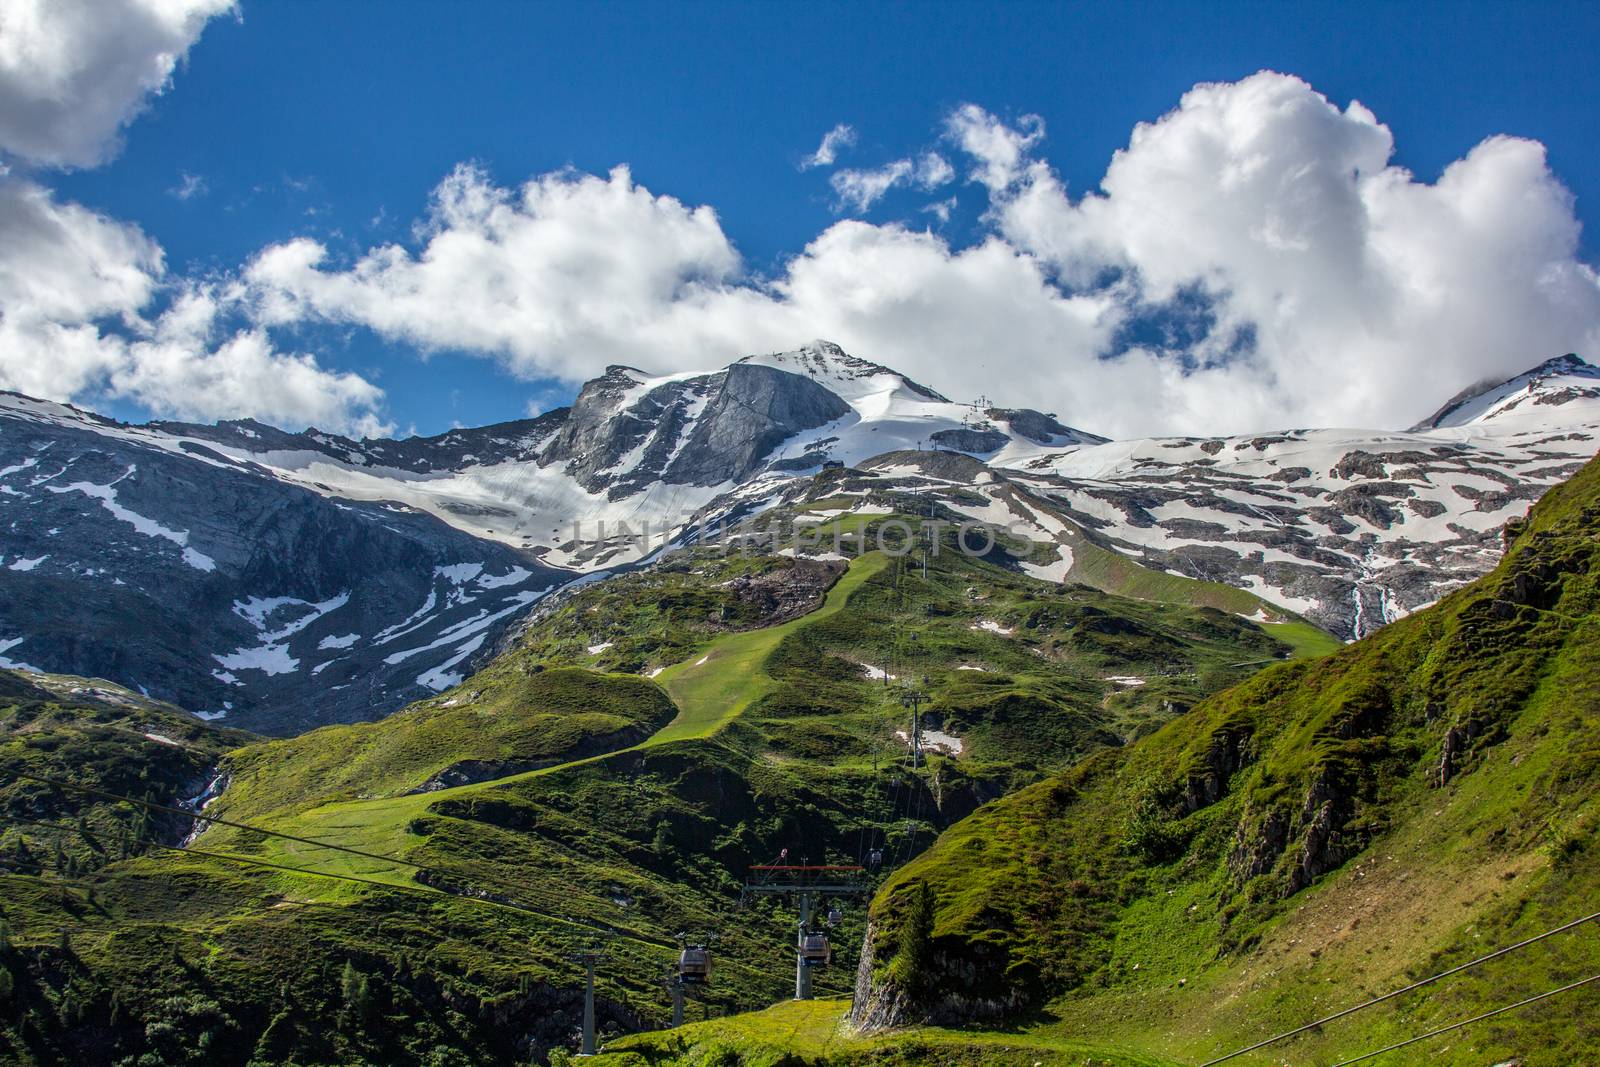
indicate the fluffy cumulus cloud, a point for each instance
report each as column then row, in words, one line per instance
column 1319, row 284
column 87, row 310
column 1341, row 288
column 999, row 151
column 567, row 269
column 1250, row 260
column 571, row 272
column 74, row 72
column 77, row 293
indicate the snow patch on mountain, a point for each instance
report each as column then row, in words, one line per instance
column 107, row 496
column 1350, row 527
column 6, row 645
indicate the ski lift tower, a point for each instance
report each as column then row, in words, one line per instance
column 589, row 959
column 809, row 885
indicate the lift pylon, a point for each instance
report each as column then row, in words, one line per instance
column 808, row 884
column 589, row 959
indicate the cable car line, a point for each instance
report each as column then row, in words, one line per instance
column 411, row 887
column 1405, row 989
column 1468, row 1022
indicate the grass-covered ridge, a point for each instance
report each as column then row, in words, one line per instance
column 1326, row 830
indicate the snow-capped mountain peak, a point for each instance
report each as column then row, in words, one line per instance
column 1555, row 382
column 842, row 374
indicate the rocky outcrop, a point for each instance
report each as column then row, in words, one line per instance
column 455, row 449
column 1040, row 428
column 1207, row 782
column 623, row 433
column 970, row 440
column 788, row 592
column 965, row 980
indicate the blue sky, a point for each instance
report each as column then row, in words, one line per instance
column 337, row 121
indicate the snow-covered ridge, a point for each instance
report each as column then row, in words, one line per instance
column 440, row 543
column 1353, row 528
column 635, row 450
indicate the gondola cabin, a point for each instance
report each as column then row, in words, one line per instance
column 694, row 966
column 815, row 950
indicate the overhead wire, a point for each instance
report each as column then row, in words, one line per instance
column 467, row 891
column 1404, row 989
column 471, row 893
column 546, row 898
column 447, row 886
column 56, row 783
column 1547, row 994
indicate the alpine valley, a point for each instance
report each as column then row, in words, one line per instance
column 325, row 751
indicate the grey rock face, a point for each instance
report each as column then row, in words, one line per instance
column 755, row 409
column 517, row 440
column 704, row 430
column 968, row 440
column 280, row 579
column 1355, row 543
column 1040, row 428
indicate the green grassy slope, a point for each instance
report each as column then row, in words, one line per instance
column 516, row 722
column 730, row 674
column 768, row 732
column 799, row 1032
column 1324, row 831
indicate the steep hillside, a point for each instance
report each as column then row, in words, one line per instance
column 92, row 732
column 193, row 577
column 1325, row 831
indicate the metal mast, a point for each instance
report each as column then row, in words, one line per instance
column 913, row 698
column 588, row 959
column 808, row 884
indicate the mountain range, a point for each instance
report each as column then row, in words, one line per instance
column 284, row 580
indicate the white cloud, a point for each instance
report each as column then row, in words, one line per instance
column 1331, row 287
column 998, row 150
column 933, row 170
column 74, row 72
column 858, row 190
column 1369, row 294
column 189, row 186
column 76, row 293
column 543, row 276
column 81, row 294
column 841, row 136
column 941, row 209
column 572, row 272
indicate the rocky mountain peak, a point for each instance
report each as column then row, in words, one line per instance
column 625, row 430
